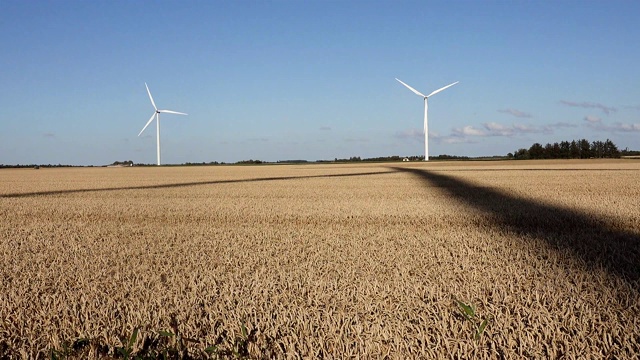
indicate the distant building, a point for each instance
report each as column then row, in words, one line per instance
column 405, row 159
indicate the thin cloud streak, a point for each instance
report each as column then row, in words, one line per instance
column 561, row 124
column 452, row 139
column 412, row 134
column 589, row 105
column 418, row 136
column 516, row 113
column 356, row 140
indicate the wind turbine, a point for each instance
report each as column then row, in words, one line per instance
column 156, row 114
column 426, row 124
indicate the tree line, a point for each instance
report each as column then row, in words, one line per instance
column 576, row 149
column 374, row 159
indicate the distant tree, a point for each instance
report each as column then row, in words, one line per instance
column 556, row 152
column 448, row 157
column 250, row 161
column 627, row 152
column 536, row 151
column 597, row 149
column 580, row 149
column 123, row 163
column 585, row 148
column 521, row 154
column 548, row 152
column 574, row 150
column 565, row 150
column 611, row 150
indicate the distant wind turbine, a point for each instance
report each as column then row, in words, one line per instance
column 156, row 114
column 426, row 124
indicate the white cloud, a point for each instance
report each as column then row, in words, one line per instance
column 592, row 119
column 626, row 127
column 469, row 131
column 596, row 123
column 523, row 128
column 496, row 129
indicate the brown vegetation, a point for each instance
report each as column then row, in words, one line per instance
column 328, row 261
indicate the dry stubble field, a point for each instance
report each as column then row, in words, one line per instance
column 324, row 261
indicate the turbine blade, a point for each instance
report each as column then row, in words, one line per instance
column 448, row 86
column 410, row 88
column 172, row 112
column 150, row 97
column 148, row 122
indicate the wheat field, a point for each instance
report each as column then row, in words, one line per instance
column 462, row 260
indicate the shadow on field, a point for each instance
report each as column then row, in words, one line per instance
column 595, row 242
column 198, row 183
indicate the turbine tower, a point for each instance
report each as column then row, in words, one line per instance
column 426, row 124
column 156, row 114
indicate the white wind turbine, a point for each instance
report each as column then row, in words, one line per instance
column 426, row 124
column 156, row 114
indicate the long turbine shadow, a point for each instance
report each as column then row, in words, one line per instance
column 198, row 183
column 593, row 241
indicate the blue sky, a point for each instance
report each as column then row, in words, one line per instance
column 312, row 79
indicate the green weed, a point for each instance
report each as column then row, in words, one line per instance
column 163, row 345
column 468, row 311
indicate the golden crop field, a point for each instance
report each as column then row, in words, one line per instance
column 323, row 261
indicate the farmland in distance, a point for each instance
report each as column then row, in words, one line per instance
column 324, row 261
